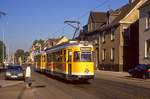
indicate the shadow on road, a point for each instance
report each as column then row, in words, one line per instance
column 67, row 81
column 38, row 86
column 25, row 89
column 21, row 93
column 64, row 80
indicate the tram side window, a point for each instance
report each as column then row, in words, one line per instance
column 64, row 56
column 35, row 59
column 76, row 56
column 54, row 57
column 69, row 56
column 44, row 60
column 86, row 56
column 59, row 56
column 48, row 57
column 51, row 58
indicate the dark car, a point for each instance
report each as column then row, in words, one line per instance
column 140, row 71
column 14, row 72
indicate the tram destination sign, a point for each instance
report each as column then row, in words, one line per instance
column 85, row 49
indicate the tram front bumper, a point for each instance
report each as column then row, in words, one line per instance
column 80, row 77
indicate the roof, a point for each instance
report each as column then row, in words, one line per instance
column 124, row 11
column 98, row 17
column 53, row 39
column 121, row 13
column 68, row 44
column 147, row 3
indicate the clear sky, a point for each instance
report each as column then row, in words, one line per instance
column 27, row 20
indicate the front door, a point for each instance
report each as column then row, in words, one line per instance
column 69, row 62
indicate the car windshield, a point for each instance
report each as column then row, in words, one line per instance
column 19, row 68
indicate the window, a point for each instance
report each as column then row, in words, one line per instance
column 112, row 54
column 51, row 57
column 126, row 35
column 52, row 43
column 103, row 54
column 69, row 56
column 54, row 57
column 148, row 21
column 147, row 48
column 44, row 58
column 76, row 56
column 91, row 27
column 103, row 37
column 64, row 55
column 112, row 34
column 86, row 57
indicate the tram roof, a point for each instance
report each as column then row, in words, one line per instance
column 67, row 44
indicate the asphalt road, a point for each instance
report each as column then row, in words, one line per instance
column 45, row 87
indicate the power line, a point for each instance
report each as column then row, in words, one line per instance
column 80, row 17
column 103, row 3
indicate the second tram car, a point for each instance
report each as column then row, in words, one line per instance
column 40, row 62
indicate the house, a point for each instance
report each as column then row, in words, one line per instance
column 37, row 48
column 54, row 41
column 144, row 34
column 118, row 38
column 96, row 20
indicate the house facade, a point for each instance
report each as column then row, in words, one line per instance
column 54, row 41
column 96, row 20
column 118, row 38
column 144, row 34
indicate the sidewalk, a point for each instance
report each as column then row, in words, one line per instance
column 4, row 83
column 112, row 73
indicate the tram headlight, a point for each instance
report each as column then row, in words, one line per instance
column 87, row 71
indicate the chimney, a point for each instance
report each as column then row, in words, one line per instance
column 131, row 1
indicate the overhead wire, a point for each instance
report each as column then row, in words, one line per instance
column 79, row 18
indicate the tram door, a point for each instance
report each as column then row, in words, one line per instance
column 69, row 62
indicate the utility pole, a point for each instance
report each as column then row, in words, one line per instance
column 75, row 25
column 3, row 14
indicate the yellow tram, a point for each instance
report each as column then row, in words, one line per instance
column 40, row 61
column 71, row 60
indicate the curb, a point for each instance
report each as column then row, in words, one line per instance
column 111, row 73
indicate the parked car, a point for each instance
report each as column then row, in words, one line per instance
column 140, row 71
column 14, row 72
